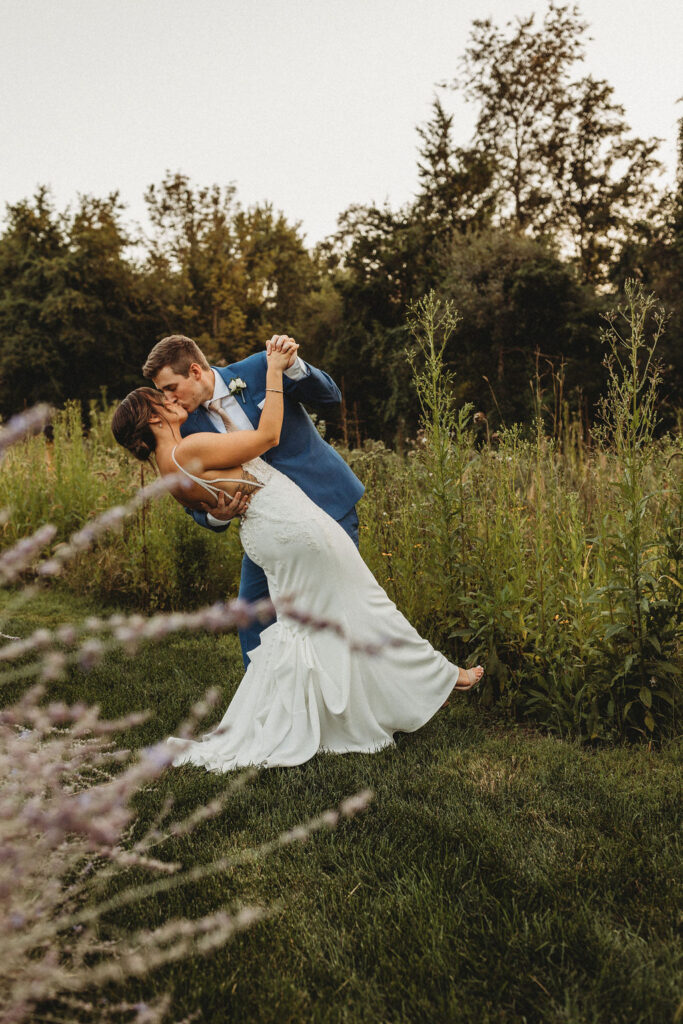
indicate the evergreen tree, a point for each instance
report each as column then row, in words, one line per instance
column 455, row 184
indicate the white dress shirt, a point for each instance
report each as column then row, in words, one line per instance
column 231, row 405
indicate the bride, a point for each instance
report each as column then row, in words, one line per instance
column 305, row 689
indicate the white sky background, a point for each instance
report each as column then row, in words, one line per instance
column 310, row 104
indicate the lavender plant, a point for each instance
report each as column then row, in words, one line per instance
column 65, row 829
column 70, row 857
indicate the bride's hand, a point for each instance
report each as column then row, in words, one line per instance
column 281, row 356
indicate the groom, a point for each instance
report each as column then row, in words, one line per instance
column 231, row 397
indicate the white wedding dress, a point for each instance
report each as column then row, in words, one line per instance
column 305, row 690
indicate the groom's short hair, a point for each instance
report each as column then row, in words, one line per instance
column 176, row 351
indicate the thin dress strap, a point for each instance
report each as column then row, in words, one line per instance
column 216, row 491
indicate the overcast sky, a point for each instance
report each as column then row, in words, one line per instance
column 311, row 104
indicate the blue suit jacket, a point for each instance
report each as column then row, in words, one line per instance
column 302, row 455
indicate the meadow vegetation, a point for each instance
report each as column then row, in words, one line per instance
column 554, row 558
column 159, row 560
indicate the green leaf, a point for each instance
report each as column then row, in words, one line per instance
column 645, row 696
column 668, row 668
column 649, row 721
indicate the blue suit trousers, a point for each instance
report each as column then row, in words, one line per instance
column 254, row 587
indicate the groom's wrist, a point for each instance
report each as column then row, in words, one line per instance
column 212, row 521
column 298, row 370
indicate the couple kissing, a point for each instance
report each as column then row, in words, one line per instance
column 245, row 447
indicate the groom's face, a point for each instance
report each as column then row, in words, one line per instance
column 189, row 392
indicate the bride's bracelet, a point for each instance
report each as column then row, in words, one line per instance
column 278, row 391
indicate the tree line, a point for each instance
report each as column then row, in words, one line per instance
column 531, row 229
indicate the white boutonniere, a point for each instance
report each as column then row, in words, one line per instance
column 236, row 387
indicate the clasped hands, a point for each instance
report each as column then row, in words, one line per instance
column 284, row 344
column 227, row 508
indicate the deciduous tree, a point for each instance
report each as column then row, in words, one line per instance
column 519, row 82
column 71, row 317
column 562, row 159
column 226, row 276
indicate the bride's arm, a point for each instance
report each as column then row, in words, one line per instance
column 217, row 451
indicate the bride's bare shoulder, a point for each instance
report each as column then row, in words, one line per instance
column 202, row 449
column 186, row 445
column 195, row 444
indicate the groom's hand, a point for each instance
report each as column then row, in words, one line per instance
column 226, row 509
column 283, row 343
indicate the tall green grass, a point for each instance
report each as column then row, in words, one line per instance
column 160, row 559
column 557, row 563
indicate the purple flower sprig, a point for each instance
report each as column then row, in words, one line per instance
column 17, row 559
column 25, row 424
column 87, row 643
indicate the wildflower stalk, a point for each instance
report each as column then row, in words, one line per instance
column 432, row 324
column 629, row 422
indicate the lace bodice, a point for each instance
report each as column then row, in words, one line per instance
column 260, row 469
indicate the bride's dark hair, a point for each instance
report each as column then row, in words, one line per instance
column 130, row 423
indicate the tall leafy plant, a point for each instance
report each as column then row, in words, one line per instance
column 446, row 453
column 644, row 626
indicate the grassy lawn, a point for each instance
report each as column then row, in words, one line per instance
column 498, row 876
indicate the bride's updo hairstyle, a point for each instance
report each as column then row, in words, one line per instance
column 130, row 423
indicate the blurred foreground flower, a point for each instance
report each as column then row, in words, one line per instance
column 66, row 796
column 24, row 425
column 65, row 820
